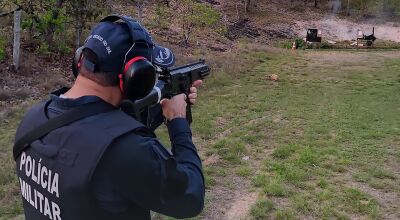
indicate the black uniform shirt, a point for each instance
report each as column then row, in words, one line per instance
column 137, row 174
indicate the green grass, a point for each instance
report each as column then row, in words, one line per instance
column 333, row 126
column 330, row 124
column 261, row 209
column 10, row 200
column 329, row 120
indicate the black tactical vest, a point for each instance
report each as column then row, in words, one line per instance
column 55, row 171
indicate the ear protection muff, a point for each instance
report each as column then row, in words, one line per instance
column 138, row 78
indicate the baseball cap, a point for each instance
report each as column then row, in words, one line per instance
column 117, row 39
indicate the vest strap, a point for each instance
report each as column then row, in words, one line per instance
column 64, row 119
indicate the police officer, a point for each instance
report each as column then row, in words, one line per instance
column 107, row 165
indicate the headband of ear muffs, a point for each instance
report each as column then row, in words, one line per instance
column 138, row 76
column 138, row 33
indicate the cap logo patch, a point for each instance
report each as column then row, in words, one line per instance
column 163, row 56
column 101, row 39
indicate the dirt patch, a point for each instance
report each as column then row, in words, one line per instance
column 211, row 160
column 241, row 206
column 229, row 194
column 242, row 28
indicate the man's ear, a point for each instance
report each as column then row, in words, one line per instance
column 76, row 61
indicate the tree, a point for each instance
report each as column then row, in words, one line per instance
column 192, row 15
column 49, row 20
column 43, row 17
column 81, row 12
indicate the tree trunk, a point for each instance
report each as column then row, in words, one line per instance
column 246, row 6
column 348, row 8
column 78, row 34
column 139, row 5
column 237, row 11
column 49, row 34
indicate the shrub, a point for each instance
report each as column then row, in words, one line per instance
column 193, row 16
column 261, row 209
column 2, row 48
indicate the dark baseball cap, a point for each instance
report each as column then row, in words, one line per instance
column 117, row 39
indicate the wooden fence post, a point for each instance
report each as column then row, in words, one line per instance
column 17, row 38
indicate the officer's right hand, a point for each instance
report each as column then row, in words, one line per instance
column 174, row 107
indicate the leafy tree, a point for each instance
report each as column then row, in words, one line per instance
column 192, row 15
column 49, row 19
column 43, row 18
column 81, row 12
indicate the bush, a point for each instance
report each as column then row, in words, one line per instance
column 51, row 20
column 300, row 43
column 2, row 48
column 194, row 17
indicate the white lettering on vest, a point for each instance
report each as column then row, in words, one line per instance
column 54, row 186
column 34, row 178
column 56, row 211
column 43, row 181
column 35, row 197
column 49, row 181
column 28, row 166
column 39, row 171
column 26, row 191
column 40, row 195
column 21, row 182
column 22, row 161
column 44, row 178
column 30, row 195
column 47, row 208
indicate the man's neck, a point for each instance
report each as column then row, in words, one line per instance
column 86, row 87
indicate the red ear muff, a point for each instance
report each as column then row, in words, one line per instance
column 133, row 60
column 138, row 78
column 126, row 68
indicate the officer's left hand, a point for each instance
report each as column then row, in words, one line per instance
column 193, row 91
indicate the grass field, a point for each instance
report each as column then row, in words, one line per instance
column 323, row 142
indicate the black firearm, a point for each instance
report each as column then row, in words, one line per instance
column 171, row 82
